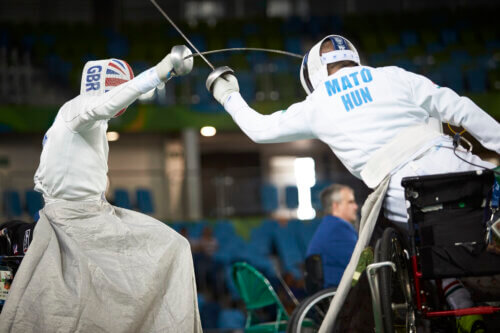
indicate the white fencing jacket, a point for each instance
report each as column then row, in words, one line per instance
column 358, row 110
column 74, row 160
column 92, row 267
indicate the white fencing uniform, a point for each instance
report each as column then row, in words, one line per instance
column 375, row 120
column 93, row 267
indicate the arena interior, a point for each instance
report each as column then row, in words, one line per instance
column 178, row 156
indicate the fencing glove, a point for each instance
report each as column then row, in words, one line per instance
column 224, row 86
column 175, row 63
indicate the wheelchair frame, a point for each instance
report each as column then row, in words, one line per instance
column 419, row 296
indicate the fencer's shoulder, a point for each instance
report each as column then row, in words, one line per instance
column 76, row 106
column 180, row 241
column 394, row 70
column 304, row 105
column 399, row 75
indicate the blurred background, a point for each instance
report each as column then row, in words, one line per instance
column 176, row 155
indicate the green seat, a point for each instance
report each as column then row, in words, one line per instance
column 257, row 293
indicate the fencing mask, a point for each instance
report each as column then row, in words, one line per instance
column 314, row 64
column 101, row 76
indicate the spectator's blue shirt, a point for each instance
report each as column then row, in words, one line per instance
column 334, row 241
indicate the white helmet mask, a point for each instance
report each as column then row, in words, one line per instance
column 313, row 70
column 100, row 76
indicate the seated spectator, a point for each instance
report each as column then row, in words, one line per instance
column 335, row 237
column 203, row 250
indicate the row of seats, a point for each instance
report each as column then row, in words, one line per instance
column 214, row 316
column 16, row 204
column 143, row 203
column 459, row 54
column 270, row 197
column 289, row 242
column 14, row 207
column 33, row 201
column 271, row 247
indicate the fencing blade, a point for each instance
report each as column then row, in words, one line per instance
column 180, row 32
column 234, row 49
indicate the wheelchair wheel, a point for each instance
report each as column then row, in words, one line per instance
column 398, row 313
column 308, row 316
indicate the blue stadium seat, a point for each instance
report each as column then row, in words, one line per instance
column 292, row 197
column 476, row 80
column 298, row 229
column 453, row 78
column 434, row 47
column 293, row 44
column 12, row 203
column 209, row 314
column 313, row 27
column 231, row 319
column 246, row 81
column 145, row 201
column 378, row 58
column 262, row 237
column 493, row 45
column 235, row 43
column 231, row 250
column 34, row 202
column 178, row 225
column 262, row 262
column 60, row 68
column 395, row 49
column 449, row 36
column 198, row 41
column 201, row 300
column 307, row 233
column 292, row 25
column 140, row 66
column 118, row 47
column 315, row 193
column 460, row 57
column 223, row 230
column 269, row 197
column 406, row 64
column 231, row 287
column 289, row 252
column 121, row 198
column 409, row 38
column 195, row 229
column 206, row 102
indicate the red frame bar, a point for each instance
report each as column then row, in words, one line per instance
column 420, row 298
column 417, row 275
column 463, row 312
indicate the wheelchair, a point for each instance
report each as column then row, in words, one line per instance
column 15, row 238
column 449, row 220
column 309, row 314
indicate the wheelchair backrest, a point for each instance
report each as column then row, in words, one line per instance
column 447, row 220
column 313, row 274
column 15, row 237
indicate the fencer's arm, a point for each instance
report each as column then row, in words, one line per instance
column 456, row 110
column 117, row 98
column 123, row 95
column 281, row 126
column 82, row 115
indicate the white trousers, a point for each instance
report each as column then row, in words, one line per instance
column 438, row 159
column 95, row 268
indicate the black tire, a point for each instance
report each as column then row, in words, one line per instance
column 309, row 314
column 396, row 298
column 376, row 251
